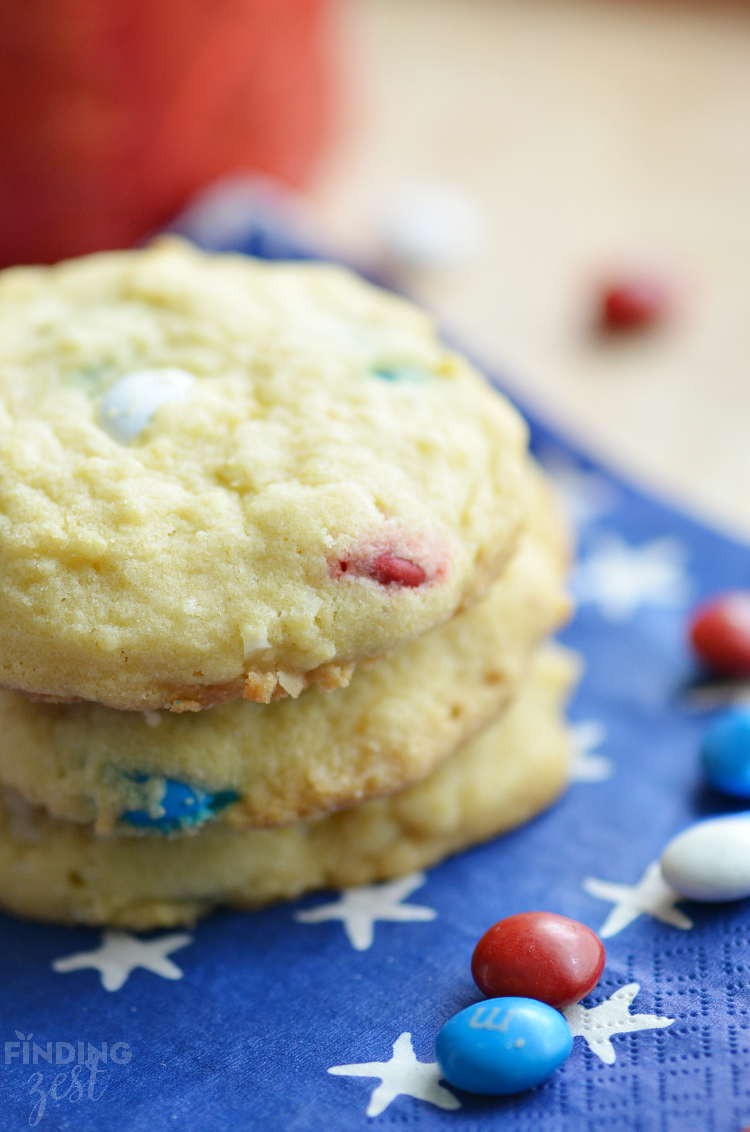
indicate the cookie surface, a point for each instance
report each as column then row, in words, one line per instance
column 55, row 870
column 223, row 477
column 262, row 765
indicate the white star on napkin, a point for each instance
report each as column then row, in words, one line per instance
column 120, row 954
column 587, row 494
column 403, row 1076
column 588, row 766
column 651, row 896
column 597, row 1024
column 620, row 578
column 359, row 908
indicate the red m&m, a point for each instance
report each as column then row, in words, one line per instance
column 538, row 955
column 634, row 304
column 388, row 569
column 720, row 632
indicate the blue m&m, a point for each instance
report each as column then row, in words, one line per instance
column 725, row 753
column 175, row 805
column 502, row 1046
column 398, row 373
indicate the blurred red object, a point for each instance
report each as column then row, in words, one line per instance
column 114, row 112
column 720, row 633
column 635, row 304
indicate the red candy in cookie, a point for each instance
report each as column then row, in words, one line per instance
column 538, row 955
column 720, row 633
column 634, row 304
column 388, row 568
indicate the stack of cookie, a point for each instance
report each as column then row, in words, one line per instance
column 276, row 573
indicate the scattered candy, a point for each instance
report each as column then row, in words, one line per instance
column 634, row 304
column 720, row 632
column 128, row 405
column 725, row 753
column 172, row 805
column 538, row 955
column 503, row 1045
column 430, row 226
column 711, row 860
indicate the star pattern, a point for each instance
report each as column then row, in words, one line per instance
column 403, row 1076
column 586, row 494
column 359, row 909
column 588, row 766
column 651, row 896
column 597, row 1024
column 120, row 953
column 619, row 578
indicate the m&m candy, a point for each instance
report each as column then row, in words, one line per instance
column 720, row 633
column 725, row 753
column 128, row 406
column 635, row 303
column 710, row 861
column 503, row 1045
column 538, row 955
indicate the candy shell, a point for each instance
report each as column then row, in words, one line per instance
column 635, row 303
column 128, row 405
column 710, row 861
column 388, row 568
column 173, row 805
column 538, row 955
column 725, row 753
column 503, row 1045
column 399, row 373
column 720, row 633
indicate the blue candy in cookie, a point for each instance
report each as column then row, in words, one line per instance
column 170, row 805
column 399, row 373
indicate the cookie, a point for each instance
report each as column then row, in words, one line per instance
column 56, row 870
column 261, row 765
column 221, row 477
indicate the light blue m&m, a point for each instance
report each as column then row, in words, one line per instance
column 399, row 373
column 725, row 753
column 503, row 1045
column 178, row 805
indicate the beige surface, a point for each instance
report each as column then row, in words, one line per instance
column 55, row 870
column 591, row 132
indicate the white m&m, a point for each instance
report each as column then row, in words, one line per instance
column 128, row 405
column 710, row 861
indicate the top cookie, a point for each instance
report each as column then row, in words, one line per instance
column 223, row 477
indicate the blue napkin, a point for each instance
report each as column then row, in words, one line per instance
column 321, row 1015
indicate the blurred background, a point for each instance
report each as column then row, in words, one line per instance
column 509, row 162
